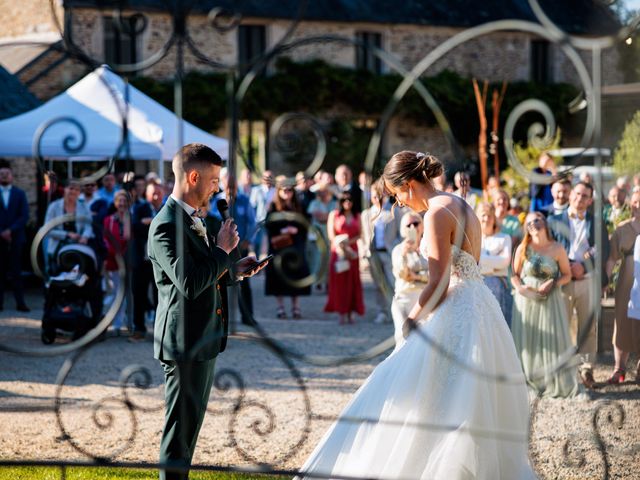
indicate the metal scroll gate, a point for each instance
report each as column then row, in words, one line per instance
column 104, row 405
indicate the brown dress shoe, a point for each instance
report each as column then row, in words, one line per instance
column 137, row 337
column 586, row 376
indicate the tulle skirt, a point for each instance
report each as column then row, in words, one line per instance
column 422, row 415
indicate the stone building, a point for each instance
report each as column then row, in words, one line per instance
column 406, row 30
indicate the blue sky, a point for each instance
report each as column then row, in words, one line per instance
column 632, row 4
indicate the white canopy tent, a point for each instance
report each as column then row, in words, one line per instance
column 98, row 102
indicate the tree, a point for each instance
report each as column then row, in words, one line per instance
column 626, row 159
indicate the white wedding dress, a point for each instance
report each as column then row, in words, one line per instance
column 420, row 415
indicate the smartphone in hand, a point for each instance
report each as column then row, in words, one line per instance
column 255, row 265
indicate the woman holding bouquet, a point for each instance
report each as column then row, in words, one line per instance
column 540, row 323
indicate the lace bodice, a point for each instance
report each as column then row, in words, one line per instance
column 463, row 265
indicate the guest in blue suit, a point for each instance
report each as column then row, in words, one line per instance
column 144, row 211
column 14, row 214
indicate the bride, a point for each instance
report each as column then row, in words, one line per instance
column 434, row 408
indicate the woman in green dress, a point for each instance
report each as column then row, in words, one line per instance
column 540, row 323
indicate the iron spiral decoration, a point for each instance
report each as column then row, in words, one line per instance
column 298, row 134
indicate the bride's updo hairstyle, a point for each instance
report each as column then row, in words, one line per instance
column 407, row 165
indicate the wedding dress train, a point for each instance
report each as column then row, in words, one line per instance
column 420, row 415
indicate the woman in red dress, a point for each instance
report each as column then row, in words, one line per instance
column 345, row 289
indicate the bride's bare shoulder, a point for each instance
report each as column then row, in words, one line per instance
column 443, row 204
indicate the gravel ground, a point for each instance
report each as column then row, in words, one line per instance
column 291, row 419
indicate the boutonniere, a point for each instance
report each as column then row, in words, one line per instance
column 200, row 229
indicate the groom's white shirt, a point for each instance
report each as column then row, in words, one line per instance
column 185, row 206
column 190, row 211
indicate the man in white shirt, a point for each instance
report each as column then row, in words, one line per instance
column 560, row 191
column 574, row 228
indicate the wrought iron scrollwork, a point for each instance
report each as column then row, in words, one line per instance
column 300, row 135
column 103, row 416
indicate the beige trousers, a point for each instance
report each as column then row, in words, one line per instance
column 579, row 295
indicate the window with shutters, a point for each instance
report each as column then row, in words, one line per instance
column 120, row 40
column 366, row 59
column 252, row 43
column 540, row 71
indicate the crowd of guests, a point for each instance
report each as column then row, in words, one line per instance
column 114, row 221
column 538, row 264
column 292, row 219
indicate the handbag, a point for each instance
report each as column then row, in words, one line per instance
column 281, row 241
column 342, row 266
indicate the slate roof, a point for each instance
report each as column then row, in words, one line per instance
column 588, row 17
column 14, row 96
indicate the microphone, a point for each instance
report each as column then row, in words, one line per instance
column 223, row 208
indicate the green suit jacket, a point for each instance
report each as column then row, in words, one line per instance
column 190, row 323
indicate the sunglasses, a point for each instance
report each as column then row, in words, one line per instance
column 287, row 190
column 413, row 224
column 344, row 200
column 534, row 222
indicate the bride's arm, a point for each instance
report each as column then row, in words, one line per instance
column 437, row 233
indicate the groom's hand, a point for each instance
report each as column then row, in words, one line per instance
column 248, row 266
column 228, row 237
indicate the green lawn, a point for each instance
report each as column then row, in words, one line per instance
column 105, row 473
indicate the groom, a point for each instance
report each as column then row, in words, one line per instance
column 189, row 267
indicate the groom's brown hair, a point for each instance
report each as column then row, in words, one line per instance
column 192, row 156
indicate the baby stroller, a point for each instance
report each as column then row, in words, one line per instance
column 73, row 296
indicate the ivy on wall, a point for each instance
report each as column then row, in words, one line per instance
column 317, row 87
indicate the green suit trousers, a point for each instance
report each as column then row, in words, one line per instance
column 187, row 389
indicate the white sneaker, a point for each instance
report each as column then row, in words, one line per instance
column 380, row 318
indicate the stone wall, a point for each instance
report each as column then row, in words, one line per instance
column 24, row 17
column 495, row 56
column 564, row 70
column 88, row 32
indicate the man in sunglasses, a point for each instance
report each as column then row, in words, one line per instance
column 575, row 230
